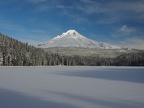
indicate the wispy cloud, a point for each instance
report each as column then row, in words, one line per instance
column 126, row 29
column 76, row 18
column 114, row 6
column 114, row 10
column 136, row 42
column 130, row 5
column 111, row 10
column 88, row 6
column 129, row 37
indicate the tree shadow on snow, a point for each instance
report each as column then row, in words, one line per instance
column 119, row 74
column 12, row 99
column 101, row 102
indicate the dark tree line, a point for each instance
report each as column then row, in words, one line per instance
column 130, row 59
column 16, row 53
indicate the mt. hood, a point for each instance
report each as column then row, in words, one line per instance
column 72, row 38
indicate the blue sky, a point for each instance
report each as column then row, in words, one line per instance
column 117, row 22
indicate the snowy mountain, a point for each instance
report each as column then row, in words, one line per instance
column 72, row 38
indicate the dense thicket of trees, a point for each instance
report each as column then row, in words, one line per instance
column 13, row 53
column 16, row 53
column 130, row 59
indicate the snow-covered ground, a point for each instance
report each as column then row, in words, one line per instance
column 71, row 87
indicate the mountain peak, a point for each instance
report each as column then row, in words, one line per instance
column 71, row 32
column 72, row 38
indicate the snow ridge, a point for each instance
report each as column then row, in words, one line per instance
column 72, row 38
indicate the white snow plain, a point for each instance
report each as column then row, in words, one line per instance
column 71, row 87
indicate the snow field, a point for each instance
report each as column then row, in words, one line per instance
column 73, row 87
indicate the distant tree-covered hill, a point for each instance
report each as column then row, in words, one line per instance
column 16, row 53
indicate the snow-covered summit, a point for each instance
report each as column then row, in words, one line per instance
column 72, row 38
column 70, row 34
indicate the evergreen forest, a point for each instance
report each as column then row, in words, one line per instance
column 16, row 53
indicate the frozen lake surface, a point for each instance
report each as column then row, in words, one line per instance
column 71, row 87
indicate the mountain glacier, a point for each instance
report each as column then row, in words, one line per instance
column 72, row 38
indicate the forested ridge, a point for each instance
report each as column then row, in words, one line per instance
column 16, row 53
